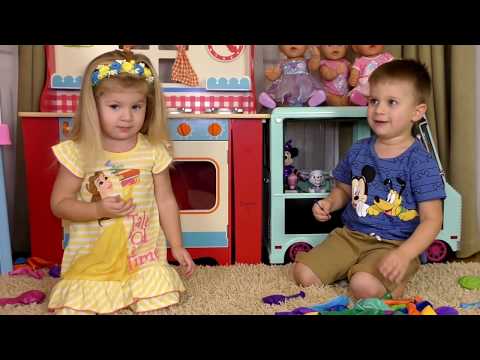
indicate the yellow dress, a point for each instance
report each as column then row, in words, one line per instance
column 111, row 264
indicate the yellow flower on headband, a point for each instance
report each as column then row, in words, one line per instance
column 103, row 71
column 127, row 66
column 147, row 72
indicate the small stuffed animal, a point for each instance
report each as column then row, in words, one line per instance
column 370, row 57
column 317, row 181
column 334, row 71
column 292, row 83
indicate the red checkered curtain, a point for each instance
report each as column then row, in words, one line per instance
column 182, row 70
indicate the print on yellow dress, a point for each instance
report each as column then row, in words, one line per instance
column 108, row 258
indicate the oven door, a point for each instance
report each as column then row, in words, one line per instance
column 200, row 183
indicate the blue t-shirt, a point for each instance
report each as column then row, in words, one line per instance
column 385, row 192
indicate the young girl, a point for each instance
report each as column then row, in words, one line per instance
column 113, row 186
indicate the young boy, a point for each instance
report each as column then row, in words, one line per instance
column 392, row 189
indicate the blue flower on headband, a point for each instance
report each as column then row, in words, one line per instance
column 116, row 66
column 139, row 69
column 95, row 79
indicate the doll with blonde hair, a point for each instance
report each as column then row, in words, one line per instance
column 113, row 186
column 334, row 71
column 292, row 82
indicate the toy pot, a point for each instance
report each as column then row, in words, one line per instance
column 4, row 135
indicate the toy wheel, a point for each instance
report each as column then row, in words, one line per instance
column 438, row 252
column 295, row 249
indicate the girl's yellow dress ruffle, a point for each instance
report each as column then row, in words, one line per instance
column 159, row 282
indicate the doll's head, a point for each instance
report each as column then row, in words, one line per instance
column 333, row 52
column 293, row 51
column 368, row 50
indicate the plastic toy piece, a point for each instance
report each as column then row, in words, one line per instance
column 37, row 274
column 26, row 298
column 469, row 282
column 277, row 299
column 398, row 302
column 38, row 263
column 446, row 310
column 54, row 271
column 475, row 305
column 20, row 260
column 428, row 310
column 297, row 311
column 412, row 309
column 423, row 304
column 341, row 300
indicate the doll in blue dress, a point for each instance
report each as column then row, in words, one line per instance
column 292, row 83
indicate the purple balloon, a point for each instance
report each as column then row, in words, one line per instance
column 446, row 310
column 277, row 299
column 54, row 271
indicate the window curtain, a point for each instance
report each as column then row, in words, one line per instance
column 31, row 78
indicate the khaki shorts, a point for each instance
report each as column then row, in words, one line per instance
column 346, row 252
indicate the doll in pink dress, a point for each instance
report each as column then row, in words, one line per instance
column 370, row 57
column 334, row 71
column 292, row 83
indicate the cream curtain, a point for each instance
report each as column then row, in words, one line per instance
column 31, row 78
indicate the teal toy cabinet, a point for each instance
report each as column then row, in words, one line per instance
column 291, row 226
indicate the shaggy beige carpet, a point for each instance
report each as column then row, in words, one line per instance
column 239, row 289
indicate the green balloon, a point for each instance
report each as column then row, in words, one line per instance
column 469, row 282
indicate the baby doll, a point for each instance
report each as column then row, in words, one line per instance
column 371, row 57
column 292, row 83
column 334, row 71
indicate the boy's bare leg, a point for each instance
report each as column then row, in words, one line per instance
column 304, row 276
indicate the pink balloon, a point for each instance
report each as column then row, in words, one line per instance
column 28, row 297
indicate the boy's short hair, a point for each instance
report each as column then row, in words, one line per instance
column 405, row 69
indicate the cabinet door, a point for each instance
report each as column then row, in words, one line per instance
column 200, row 183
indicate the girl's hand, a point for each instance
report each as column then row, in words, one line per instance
column 321, row 210
column 394, row 265
column 113, row 207
column 184, row 259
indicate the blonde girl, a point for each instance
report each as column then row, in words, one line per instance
column 113, row 187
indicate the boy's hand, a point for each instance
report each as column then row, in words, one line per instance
column 321, row 210
column 184, row 259
column 113, row 207
column 394, row 265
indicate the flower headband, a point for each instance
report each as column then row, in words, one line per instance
column 121, row 66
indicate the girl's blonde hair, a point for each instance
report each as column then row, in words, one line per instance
column 86, row 130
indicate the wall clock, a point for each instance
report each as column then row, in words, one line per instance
column 225, row 53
